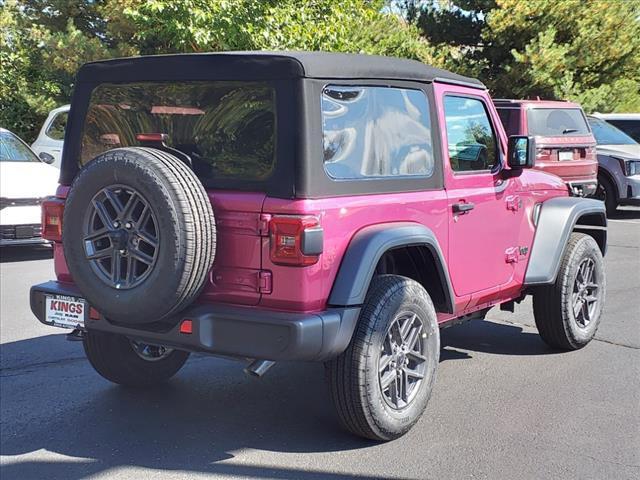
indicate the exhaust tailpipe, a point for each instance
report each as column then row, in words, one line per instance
column 258, row 368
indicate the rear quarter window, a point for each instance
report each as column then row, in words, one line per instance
column 56, row 128
column 555, row 122
column 376, row 132
column 227, row 128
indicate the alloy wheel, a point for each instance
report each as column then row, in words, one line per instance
column 402, row 362
column 121, row 236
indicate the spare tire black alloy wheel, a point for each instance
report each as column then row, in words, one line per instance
column 121, row 237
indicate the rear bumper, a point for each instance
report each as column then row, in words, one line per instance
column 233, row 331
column 21, row 234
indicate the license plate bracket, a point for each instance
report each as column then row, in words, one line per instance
column 25, row 231
column 65, row 311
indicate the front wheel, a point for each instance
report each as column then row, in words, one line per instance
column 129, row 362
column 607, row 193
column 568, row 312
column 381, row 384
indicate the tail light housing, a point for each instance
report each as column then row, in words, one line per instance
column 295, row 239
column 52, row 211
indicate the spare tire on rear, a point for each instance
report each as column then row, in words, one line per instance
column 138, row 234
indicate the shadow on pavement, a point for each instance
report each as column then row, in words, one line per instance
column 52, row 401
column 489, row 337
column 25, row 253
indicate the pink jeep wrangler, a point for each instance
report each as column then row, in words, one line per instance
column 305, row 206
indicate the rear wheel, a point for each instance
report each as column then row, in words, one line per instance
column 568, row 312
column 381, row 384
column 131, row 363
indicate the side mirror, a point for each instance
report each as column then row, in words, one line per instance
column 521, row 152
column 47, row 158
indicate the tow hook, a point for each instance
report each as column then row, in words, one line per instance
column 257, row 368
column 76, row 335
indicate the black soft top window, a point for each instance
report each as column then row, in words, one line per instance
column 226, row 127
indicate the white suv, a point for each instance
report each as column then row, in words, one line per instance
column 51, row 136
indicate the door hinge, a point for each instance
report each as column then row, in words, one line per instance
column 514, row 202
column 263, row 224
column 511, row 255
column 265, row 281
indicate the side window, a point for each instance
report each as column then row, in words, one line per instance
column 57, row 126
column 376, row 132
column 472, row 141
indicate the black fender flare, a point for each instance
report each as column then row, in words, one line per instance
column 557, row 219
column 365, row 250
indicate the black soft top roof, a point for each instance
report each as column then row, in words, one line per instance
column 265, row 65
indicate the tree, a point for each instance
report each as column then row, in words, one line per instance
column 213, row 25
column 46, row 41
column 569, row 49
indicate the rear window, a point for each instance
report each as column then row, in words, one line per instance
column 555, row 122
column 227, row 128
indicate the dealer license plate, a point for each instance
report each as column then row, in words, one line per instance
column 65, row 311
column 562, row 156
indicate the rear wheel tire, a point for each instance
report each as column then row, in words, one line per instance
column 568, row 312
column 381, row 384
column 130, row 363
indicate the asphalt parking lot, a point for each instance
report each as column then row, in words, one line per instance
column 504, row 405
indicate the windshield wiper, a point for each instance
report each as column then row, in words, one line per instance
column 569, row 130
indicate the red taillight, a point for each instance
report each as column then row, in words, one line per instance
column 52, row 211
column 94, row 314
column 295, row 240
column 544, row 154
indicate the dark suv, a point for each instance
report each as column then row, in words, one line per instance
column 305, row 206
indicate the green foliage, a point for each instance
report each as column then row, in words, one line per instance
column 572, row 49
column 588, row 52
column 54, row 37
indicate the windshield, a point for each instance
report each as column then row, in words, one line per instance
column 12, row 149
column 555, row 122
column 227, row 128
column 607, row 134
